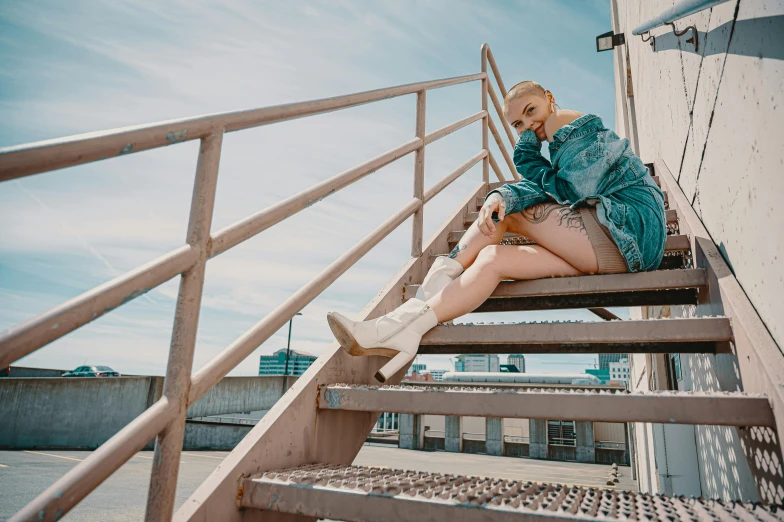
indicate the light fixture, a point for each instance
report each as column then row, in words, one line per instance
column 606, row 41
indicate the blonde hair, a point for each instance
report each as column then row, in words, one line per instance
column 522, row 89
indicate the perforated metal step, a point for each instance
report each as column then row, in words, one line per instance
column 668, row 407
column 357, row 493
column 612, row 290
column 693, row 335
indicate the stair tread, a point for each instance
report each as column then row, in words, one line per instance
column 669, row 407
column 676, row 242
column 343, row 492
column 682, row 335
column 660, row 287
column 632, row 282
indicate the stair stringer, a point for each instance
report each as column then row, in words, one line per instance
column 759, row 359
column 295, row 431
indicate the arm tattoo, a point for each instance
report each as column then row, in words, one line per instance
column 568, row 217
column 456, row 250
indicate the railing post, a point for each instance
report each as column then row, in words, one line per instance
column 419, row 175
column 485, row 138
column 168, row 445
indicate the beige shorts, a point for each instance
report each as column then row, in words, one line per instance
column 610, row 259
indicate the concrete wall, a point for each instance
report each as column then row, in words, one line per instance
column 714, row 116
column 24, row 371
column 82, row 413
column 213, row 436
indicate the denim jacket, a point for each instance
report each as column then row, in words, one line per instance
column 591, row 165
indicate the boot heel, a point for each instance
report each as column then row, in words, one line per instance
column 395, row 364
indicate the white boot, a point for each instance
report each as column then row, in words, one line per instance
column 395, row 335
column 444, row 271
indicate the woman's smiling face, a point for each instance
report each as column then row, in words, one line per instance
column 529, row 111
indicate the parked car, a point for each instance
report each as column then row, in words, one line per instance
column 92, row 371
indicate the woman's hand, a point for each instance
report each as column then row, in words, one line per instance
column 495, row 203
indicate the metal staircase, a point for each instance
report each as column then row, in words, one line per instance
column 296, row 463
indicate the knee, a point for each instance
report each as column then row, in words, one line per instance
column 489, row 258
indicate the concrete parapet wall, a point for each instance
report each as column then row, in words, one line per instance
column 213, row 436
column 83, row 413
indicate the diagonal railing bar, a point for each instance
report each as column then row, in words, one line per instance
column 217, row 368
column 497, row 169
column 43, row 156
column 448, row 179
column 81, row 480
column 27, row 337
column 500, row 113
column 500, row 143
column 496, row 73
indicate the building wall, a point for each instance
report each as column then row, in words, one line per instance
column 714, row 118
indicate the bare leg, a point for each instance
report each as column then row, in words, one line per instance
column 563, row 249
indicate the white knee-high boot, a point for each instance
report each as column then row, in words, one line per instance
column 443, row 272
column 396, row 334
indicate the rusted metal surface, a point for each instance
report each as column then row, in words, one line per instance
column 25, row 338
column 417, row 221
column 703, row 335
column 459, row 171
column 289, row 434
column 43, row 156
column 81, row 480
column 168, row 445
column 668, row 407
column 357, row 493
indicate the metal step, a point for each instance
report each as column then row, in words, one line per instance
column 671, row 260
column 693, row 335
column 612, row 290
column 671, row 215
column 359, row 493
column 666, row 407
column 674, row 243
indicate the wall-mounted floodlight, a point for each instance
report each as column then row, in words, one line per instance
column 606, row 41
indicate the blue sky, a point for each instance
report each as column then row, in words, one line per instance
column 81, row 66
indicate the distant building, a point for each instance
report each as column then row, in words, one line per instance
column 619, row 371
column 518, row 360
column 602, row 375
column 477, row 363
column 416, row 367
column 416, row 376
column 438, row 375
column 275, row 364
column 606, row 358
column 509, row 368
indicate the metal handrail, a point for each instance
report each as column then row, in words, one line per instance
column 680, row 10
column 181, row 388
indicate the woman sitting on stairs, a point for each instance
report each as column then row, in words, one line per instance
column 594, row 209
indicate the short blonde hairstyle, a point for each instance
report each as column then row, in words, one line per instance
column 522, row 89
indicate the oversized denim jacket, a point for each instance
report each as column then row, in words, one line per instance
column 591, row 165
